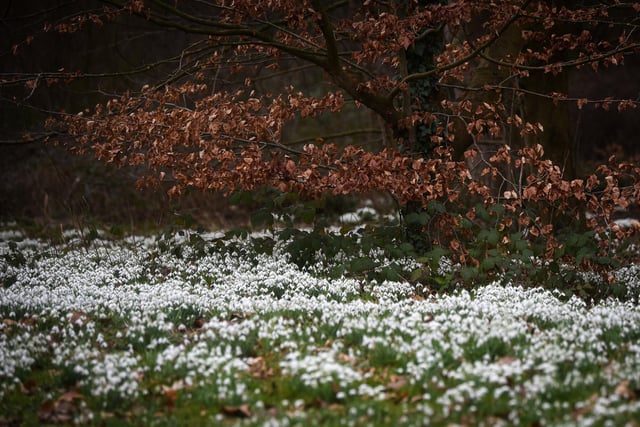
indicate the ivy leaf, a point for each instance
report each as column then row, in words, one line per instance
column 361, row 265
column 488, row 264
column 261, row 218
column 469, row 273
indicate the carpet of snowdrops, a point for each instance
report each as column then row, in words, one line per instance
column 122, row 331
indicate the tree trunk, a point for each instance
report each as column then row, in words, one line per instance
column 534, row 106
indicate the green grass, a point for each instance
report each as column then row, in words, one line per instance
column 124, row 333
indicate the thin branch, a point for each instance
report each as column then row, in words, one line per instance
column 428, row 32
column 20, row 141
column 291, row 33
column 335, row 135
column 573, row 63
column 7, row 79
column 538, row 94
column 33, row 89
column 255, row 37
column 192, row 18
column 283, row 72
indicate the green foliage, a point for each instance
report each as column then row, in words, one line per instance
column 376, row 253
column 270, row 208
column 499, row 248
column 492, row 348
column 382, row 355
column 167, row 243
column 14, row 257
column 498, row 245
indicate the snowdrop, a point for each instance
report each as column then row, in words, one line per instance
column 319, row 328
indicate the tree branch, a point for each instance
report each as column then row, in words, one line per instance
column 334, row 135
column 226, row 31
column 572, row 63
column 326, row 27
column 197, row 20
column 28, row 139
column 7, row 79
column 540, row 94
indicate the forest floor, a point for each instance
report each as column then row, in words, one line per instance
column 137, row 331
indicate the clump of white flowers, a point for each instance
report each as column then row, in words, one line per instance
column 127, row 319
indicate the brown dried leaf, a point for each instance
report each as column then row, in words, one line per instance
column 78, row 317
column 396, row 382
column 241, row 411
column 624, row 391
column 507, row 360
column 61, row 410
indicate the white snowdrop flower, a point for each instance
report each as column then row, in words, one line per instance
column 534, row 324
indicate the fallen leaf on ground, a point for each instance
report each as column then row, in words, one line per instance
column 396, row 382
column 624, row 391
column 241, row 411
column 61, row 410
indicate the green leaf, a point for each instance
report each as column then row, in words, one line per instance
column 406, row 247
column 521, row 245
column 433, row 256
column 316, row 244
column 366, row 244
column 559, row 253
column 362, row 264
column 493, row 237
column 261, row 218
column 308, row 215
column 345, row 229
column 288, row 233
column 466, row 223
column 240, row 232
column 240, row 198
column 527, row 254
column 498, row 209
column 482, row 213
column 417, row 275
column 494, row 253
column 420, row 218
column 619, row 290
column 488, row 264
column 604, row 260
column 436, row 207
column 337, row 271
column 469, row 273
column 583, row 253
column 476, row 252
column 392, row 273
